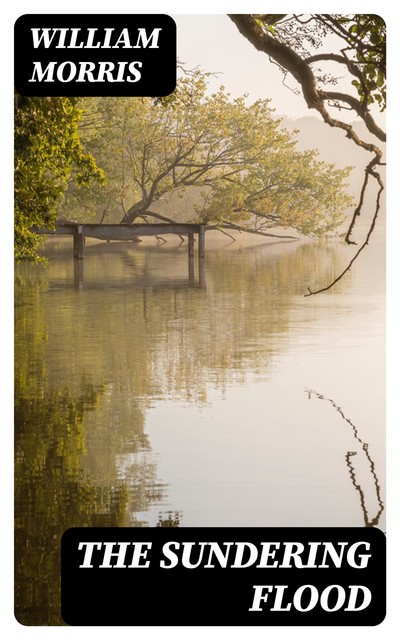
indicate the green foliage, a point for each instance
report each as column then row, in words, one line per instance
column 52, row 489
column 287, row 189
column 47, row 148
column 242, row 164
column 362, row 44
column 366, row 38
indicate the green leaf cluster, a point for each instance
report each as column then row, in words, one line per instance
column 366, row 38
column 47, row 149
column 236, row 155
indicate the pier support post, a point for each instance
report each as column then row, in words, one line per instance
column 202, row 274
column 79, row 243
column 78, row 274
column 202, row 237
column 191, row 244
column 191, row 256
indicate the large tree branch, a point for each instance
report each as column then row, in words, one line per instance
column 237, row 227
column 282, row 54
column 359, row 109
column 335, row 57
column 342, row 59
column 289, row 60
column 149, row 197
column 299, row 68
column 133, row 212
column 158, row 216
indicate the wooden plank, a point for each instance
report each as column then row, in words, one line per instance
column 121, row 231
column 129, row 232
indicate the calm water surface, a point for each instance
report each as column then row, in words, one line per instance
column 145, row 399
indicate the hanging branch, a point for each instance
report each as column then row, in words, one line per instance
column 263, row 33
column 366, row 241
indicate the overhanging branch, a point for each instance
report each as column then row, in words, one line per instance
column 366, row 241
column 291, row 62
column 237, row 227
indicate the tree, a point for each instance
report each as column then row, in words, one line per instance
column 290, row 41
column 47, row 148
column 244, row 167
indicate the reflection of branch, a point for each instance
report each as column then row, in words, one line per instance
column 368, row 522
column 226, row 234
column 374, row 521
column 173, row 519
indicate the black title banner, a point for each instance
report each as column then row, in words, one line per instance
column 224, row 576
column 95, row 55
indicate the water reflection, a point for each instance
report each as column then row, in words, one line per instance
column 126, row 335
column 52, row 492
column 195, row 276
column 379, row 506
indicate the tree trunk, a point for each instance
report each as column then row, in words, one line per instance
column 133, row 212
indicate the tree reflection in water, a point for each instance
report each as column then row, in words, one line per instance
column 90, row 362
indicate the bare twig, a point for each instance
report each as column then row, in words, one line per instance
column 366, row 241
column 236, row 227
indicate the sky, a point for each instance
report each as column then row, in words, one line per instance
column 240, row 67
column 214, row 43
column 202, row 46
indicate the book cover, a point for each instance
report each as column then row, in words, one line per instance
column 200, row 318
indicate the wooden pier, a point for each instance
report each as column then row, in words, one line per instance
column 125, row 232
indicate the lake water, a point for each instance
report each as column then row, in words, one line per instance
column 144, row 398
